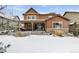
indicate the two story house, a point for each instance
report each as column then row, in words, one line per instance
column 74, row 20
column 34, row 21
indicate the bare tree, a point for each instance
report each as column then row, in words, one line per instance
column 2, row 7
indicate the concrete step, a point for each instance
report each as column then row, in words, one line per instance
column 37, row 32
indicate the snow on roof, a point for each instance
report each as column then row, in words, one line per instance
column 8, row 17
column 72, row 23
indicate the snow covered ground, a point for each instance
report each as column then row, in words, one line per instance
column 40, row 43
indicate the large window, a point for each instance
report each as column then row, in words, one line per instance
column 57, row 25
column 32, row 17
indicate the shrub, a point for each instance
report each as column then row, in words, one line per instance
column 58, row 32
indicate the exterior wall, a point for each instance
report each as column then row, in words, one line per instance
column 39, row 17
column 44, row 16
column 74, row 17
column 31, row 12
column 49, row 24
column 74, row 27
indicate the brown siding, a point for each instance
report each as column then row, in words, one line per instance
column 38, row 16
column 57, row 19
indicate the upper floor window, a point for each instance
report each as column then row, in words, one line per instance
column 32, row 17
column 50, row 16
column 29, row 17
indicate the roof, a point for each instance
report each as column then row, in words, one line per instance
column 48, row 14
column 37, row 12
column 8, row 17
column 73, row 16
column 70, row 12
column 58, row 16
column 5, row 16
column 32, row 10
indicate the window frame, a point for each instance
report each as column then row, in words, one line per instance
column 31, row 17
column 59, row 22
column 50, row 16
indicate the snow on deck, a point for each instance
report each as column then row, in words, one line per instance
column 40, row 43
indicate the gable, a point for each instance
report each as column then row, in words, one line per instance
column 31, row 11
column 58, row 17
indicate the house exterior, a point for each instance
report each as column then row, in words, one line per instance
column 57, row 23
column 7, row 22
column 34, row 21
column 74, row 20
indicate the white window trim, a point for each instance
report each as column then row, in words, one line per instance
column 31, row 17
column 50, row 16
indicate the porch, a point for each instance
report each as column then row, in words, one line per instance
column 34, row 26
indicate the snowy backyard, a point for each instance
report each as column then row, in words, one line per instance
column 40, row 43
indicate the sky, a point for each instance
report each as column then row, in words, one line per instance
column 59, row 9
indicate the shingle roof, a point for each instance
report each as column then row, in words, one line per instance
column 31, row 9
column 73, row 16
column 58, row 16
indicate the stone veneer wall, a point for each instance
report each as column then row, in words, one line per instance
column 66, row 30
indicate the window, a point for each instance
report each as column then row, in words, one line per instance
column 29, row 17
column 57, row 25
column 50, row 16
column 32, row 17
